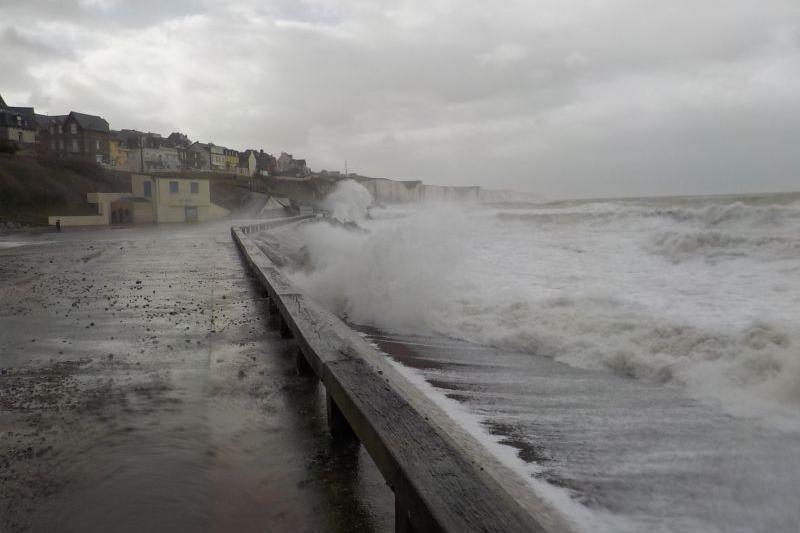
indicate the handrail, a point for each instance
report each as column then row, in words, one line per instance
column 437, row 486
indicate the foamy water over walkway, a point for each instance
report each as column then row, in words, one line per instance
column 638, row 456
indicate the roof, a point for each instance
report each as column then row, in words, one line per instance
column 134, row 199
column 90, row 122
column 173, row 177
column 8, row 117
column 42, row 121
column 198, row 145
column 2, row 102
column 45, row 120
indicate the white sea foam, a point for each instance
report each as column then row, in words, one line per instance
column 640, row 289
column 716, row 245
column 348, row 202
column 577, row 515
column 736, row 213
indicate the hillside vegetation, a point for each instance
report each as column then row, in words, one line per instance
column 32, row 188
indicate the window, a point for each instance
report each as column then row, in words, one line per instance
column 52, row 130
column 73, row 128
column 74, row 145
column 52, row 145
column 147, row 189
column 97, row 145
column 173, row 186
column 61, row 144
column 60, row 128
column 195, row 187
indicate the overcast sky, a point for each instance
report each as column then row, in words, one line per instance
column 564, row 98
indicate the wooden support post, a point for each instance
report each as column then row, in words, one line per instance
column 286, row 332
column 301, row 364
column 402, row 517
column 338, row 424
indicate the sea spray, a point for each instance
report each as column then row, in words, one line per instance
column 384, row 277
column 348, row 202
column 610, row 294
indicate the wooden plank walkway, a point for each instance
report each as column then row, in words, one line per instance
column 436, row 488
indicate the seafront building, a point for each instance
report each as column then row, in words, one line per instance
column 153, row 199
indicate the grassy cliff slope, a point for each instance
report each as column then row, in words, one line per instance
column 33, row 188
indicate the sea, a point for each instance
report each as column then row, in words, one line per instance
column 636, row 360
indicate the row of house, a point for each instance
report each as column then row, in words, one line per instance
column 90, row 137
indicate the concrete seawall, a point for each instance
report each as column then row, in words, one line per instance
column 442, row 478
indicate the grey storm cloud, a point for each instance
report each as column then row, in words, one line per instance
column 577, row 98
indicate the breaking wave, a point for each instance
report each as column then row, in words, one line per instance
column 760, row 360
column 736, row 213
column 717, row 245
column 715, row 215
column 479, row 278
column 348, row 202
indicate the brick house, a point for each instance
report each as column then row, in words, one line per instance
column 78, row 135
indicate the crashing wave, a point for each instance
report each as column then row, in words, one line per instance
column 716, row 215
column 401, row 277
column 348, row 202
column 473, row 275
column 715, row 245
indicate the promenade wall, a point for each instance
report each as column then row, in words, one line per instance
column 442, row 480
